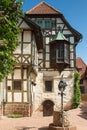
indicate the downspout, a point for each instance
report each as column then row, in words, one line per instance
column 29, row 90
column 30, row 94
column 3, row 94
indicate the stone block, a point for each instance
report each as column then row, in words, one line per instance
column 57, row 118
column 17, row 109
column 52, row 127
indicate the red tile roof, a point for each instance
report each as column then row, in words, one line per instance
column 81, row 66
column 43, row 8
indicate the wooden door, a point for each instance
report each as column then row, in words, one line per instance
column 48, row 108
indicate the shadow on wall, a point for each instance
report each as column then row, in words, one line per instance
column 83, row 108
column 43, row 128
column 27, row 128
column 33, row 128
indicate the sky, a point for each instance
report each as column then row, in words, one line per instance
column 75, row 12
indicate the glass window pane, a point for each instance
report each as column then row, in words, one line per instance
column 66, row 52
column 40, row 23
column 47, row 24
column 17, row 85
column 48, row 86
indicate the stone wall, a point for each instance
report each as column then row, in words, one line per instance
column 40, row 95
column 16, row 108
column 57, row 119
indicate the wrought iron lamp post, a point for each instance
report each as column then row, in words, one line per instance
column 62, row 85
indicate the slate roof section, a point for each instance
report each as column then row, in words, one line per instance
column 81, row 66
column 43, row 8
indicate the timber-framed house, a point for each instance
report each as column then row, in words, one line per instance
column 47, row 50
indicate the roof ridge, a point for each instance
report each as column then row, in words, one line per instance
column 34, row 7
column 51, row 7
column 43, row 2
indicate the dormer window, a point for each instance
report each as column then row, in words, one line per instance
column 40, row 22
column 59, row 51
column 45, row 23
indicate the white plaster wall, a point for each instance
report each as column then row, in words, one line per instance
column 40, row 96
column 38, row 92
column 0, row 93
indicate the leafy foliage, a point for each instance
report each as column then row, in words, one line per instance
column 10, row 11
column 15, row 116
column 77, row 92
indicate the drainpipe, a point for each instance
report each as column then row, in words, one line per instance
column 3, row 92
column 30, row 93
column 29, row 90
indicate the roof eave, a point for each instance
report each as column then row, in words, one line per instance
column 78, row 36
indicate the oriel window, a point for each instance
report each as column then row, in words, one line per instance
column 60, row 52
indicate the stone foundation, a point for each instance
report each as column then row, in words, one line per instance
column 57, row 122
column 57, row 118
column 17, row 108
column 52, row 127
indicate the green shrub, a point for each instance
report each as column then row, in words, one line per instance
column 77, row 92
column 15, row 115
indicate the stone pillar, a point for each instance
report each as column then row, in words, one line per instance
column 57, row 122
column 57, row 119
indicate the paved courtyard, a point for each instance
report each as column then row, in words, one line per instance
column 38, row 122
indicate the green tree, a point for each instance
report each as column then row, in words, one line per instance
column 77, row 92
column 10, row 11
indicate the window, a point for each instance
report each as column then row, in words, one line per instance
column 66, row 53
column 44, row 23
column 53, row 23
column 60, row 52
column 8, row 87
column 47, row 24
column 40, row 23
column 17, row 85
column 56, row 52
column 48, row 86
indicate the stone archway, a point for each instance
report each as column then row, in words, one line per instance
column 48, row 107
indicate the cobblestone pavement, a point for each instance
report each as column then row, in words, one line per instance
column 38, row 122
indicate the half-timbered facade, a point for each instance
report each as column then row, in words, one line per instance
column 18, row 85
column 57, row 58
column 47, row 51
